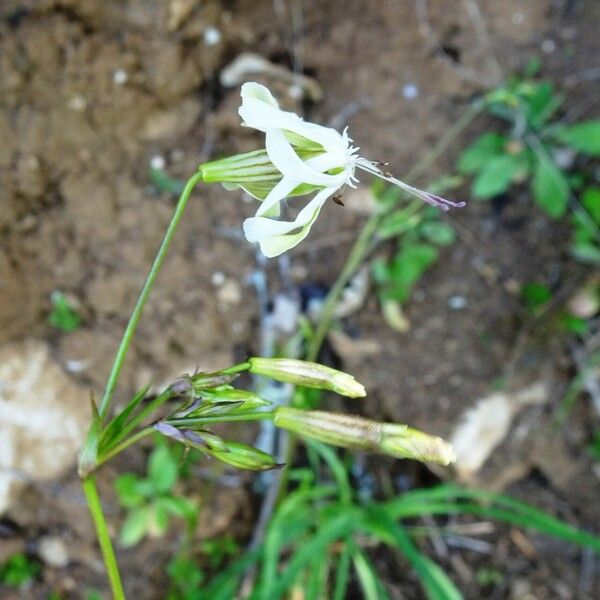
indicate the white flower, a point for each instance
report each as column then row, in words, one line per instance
column 300, row 158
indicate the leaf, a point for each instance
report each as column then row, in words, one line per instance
column 135, row 526
column 496, row 176
column 584, row 136
column 63, row 316
column 370, row 583
column 451, row 499
column 478, row 154
column 88, row 459
column 590, row 200
column 405, row 270
column 550, row 188
column 540, row 103
column 438, row 232
column 328, row 532
column 128, row 491
column 398, row 222
column 162, row 469
column 179, row 507
column 586, row 253
column 437, row 585
column 112, row 432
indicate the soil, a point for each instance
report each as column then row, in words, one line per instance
column 92, row 92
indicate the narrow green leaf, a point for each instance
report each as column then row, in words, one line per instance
column 112, row 431
column 437, row 585
column 370, row 583
column 88, row 459
column 342, row 573
column 449, row 499
column 337, row 527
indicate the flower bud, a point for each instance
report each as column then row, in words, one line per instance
column 307, row 374
column 246, row 400
column 405, row 442
column 358, row 433
column 245, row 457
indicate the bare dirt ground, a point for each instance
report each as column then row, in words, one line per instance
column 91, row 91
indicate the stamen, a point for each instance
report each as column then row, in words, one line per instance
column 432, row 199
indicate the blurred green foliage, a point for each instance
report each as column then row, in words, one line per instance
column 151, row 500
column 63, row 316
column 19, row 569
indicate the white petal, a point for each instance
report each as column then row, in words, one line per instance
column 251, row 89
column 275, row 237
column 276, row 195
column 284, row 157
column 263, row 115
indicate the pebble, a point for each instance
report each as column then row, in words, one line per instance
column 120, row 77
column 53, row 551
column 217, row 278
column 212, row 36
column 157, row 162
column 457, row 302
column 410, row 91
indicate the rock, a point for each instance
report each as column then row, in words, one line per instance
column 43, row 418
column 483, row 427
column 53, row 551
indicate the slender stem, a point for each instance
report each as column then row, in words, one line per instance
column 353, row 261
column 363, row 242
column 236, row 368
column 108, row 553
column 136, row 437
column 141, row 301
column 196, row 421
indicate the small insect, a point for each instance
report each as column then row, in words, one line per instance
column 381, row 165
column 338, row 199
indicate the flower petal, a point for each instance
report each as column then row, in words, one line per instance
column 274, row 237
column 251, row 89
column 284, row 157
column 276, row 195
column 262, row 115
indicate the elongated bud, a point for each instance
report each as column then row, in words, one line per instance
column 245, row 457
column 358, row 433
column 307, row 374
column 405, row 442
column 247, row 400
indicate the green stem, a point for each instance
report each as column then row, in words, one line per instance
column 143, row 297
column 108, row 553
column 355, row 259
column 197, row 421
column 363, row 244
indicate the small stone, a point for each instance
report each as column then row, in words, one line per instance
column 212, row 36
column 410, row 91
column 44, row 416
column 548, row 46
column 217, row 278
column 53, row 551
column 229, row 293
column 120, row 77
column 457, row 302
